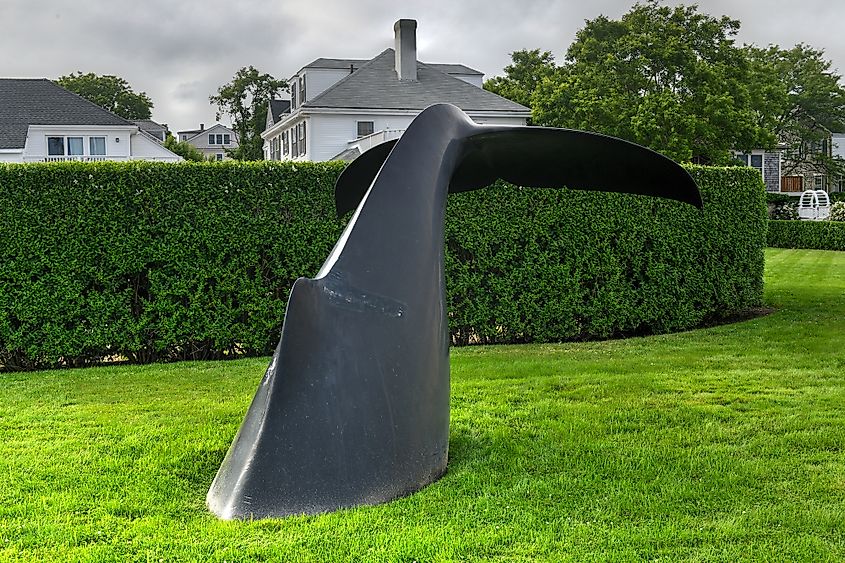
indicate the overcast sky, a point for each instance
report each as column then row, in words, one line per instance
column 180, row 51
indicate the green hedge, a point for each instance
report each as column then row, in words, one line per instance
column 819, row 235
column 545, row 265
column 155, row 261
column 779, row 198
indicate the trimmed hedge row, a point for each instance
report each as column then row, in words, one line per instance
column 550, row 265
column 159, row 261
column 818, row 235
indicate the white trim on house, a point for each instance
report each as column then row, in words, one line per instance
column 328, row 94
column 119, row 141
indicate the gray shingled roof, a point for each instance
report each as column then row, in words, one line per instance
column 375, row 86
column 454, row 68
column 358, row 63
column 38, row 101
column 335, row 63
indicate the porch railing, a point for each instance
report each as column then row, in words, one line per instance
column 366, row 143
column 80, row 158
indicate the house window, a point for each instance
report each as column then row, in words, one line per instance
column 302, row 138
column 302, row 90
column 294, row 146
column 227, row 139
column 743, row 159
column 74, row 146
column 365, row 128
column 211, row 139
column 56, row 146
column 757, row 162
column 97, row 146
column 293, row 96
column 285, row 149
column 219, row 139
column 184, row 137
column 219, row 156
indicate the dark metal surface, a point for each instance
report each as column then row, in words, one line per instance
column 354, row 407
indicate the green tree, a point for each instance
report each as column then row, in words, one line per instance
column 804, row 100
column 523, row 75
column 669, row 78
column 245, row 99
column 110, row 92
column 184, row 149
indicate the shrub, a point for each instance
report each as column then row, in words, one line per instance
column 819, row 235
column 837, row 211
column 785, row 212
column 837, row 196
column 154, row 261
column 778, row 198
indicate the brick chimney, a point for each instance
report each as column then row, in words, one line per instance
column 202, row 126
column 405, row 45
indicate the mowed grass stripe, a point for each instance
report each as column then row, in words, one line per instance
column 722, row 444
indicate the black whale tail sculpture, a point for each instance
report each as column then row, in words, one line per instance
column 354, row 407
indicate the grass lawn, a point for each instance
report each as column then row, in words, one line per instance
column 722, row 444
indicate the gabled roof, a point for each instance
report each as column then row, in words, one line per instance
column 336, row 64
column 277, row 108
column 376, row 86
column 38, row 101
column 191, row 133
column 345, row 64
column 454, row 68
column 152, row 129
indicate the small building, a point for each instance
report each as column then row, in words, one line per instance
column 214, row 142
column 340, row 108
column 42, row 122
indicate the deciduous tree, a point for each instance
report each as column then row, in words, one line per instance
column 523, row 75
column 804, row 100
column 245, row 99
column 669, row 78
column 110, row 92
column 184, row 149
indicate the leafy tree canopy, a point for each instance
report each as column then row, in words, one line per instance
column 110, row 92
column 669, row 78
column 183, row 148
column 245, row 100
column 523, row 75
column 804, row 100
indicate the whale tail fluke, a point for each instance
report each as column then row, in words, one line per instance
column 540, row 157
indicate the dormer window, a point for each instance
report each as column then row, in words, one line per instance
column 293, row 94
column 302, row 90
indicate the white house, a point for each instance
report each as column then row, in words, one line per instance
column 339, row 108
column 42, row 122
column 212, row 142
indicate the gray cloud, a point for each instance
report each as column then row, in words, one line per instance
column 179, row 53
